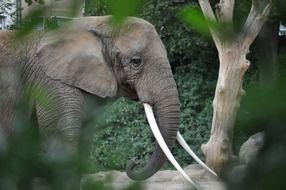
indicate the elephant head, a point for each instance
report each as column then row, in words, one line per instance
column 128, row 60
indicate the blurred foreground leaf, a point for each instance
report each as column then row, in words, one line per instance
column 48, row 15
column 32, row 21
column 120, row 9
column 194, row 18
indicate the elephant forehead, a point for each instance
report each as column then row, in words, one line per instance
column 130, row 44
column 135, row 38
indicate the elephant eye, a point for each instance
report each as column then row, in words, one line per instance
column 136, row 61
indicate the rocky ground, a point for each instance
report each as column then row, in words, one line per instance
column 172, row 179
column 162, row 180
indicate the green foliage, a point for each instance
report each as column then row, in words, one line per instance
column 184, row 45
column 123, row 8
column 282, row 62
column 194, row 17
column 120, row 9
column 95, row 8
column 196, row 89
column 31, row 22
column 125, row 135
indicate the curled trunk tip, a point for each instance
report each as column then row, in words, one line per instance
column 156, row 161
column 140, row 174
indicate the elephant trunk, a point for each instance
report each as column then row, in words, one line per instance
column 167, row 109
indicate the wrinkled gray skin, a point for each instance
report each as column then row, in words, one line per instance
column 90, row 59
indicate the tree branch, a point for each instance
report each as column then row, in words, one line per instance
column 210, row 19
column 207, row 9
column 224, row 11
column 254, row 22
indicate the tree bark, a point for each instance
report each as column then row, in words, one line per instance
column 232, row 49
column 233, row 65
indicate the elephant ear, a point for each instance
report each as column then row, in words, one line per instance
column 77, row 60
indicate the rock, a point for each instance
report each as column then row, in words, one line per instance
column 236, row 174
column 166, row 180
column 247, row 154
column 250, row 148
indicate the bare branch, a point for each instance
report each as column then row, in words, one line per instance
column 254, row 22
column 224, row 10
column 210, row 17
column 207, row 9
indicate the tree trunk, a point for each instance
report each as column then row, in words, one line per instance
column 233, row 48
column 233, row 65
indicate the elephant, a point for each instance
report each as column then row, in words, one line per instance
column 89, row 59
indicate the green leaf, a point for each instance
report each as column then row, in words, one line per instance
column 194, row 18
column 120, row 9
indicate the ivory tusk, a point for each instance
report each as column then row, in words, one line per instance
column 189, row 150
column 162, row 143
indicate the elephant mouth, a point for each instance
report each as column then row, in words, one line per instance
column 159, row 138
column 128, row 92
